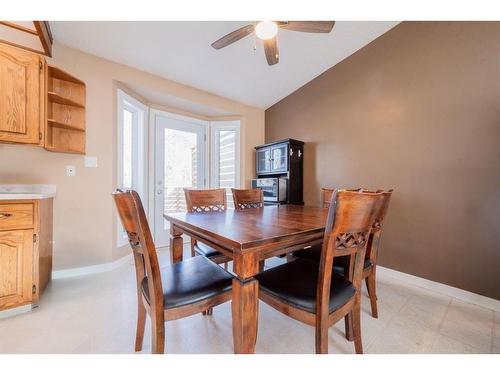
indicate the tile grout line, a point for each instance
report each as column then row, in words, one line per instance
column 440, row 325
column 391, row 318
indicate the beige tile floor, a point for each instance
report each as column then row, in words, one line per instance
column 96, row 314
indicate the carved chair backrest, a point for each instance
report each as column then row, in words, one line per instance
column 350, row 220
column 135, row 223
column 248, row 198
column 208, row 200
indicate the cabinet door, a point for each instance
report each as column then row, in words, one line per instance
column 279, row 158
column 263, row 160
column 16, row 268
column 20, row 103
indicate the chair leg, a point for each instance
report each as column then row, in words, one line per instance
column 356, row 328
column 371, row 286
column 141, row 324
column 262, row 263
column 157, row 335
column 322, row 339
column 225, row 266
column 193, row 253
column 348, row 327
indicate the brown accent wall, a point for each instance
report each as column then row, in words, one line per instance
column 417, row 110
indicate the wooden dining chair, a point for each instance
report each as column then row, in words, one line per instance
column 321, row 297
column 205, row 201
column 313, row 252
column 168, row 292
column 247, row 198
column 370, row 265
column 341, row 264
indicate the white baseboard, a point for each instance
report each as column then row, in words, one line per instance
column 81, row 271
column 460, row 294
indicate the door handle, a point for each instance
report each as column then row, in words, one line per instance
column 159, row 191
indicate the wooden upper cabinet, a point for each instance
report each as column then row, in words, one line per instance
column 40, row 104
column 21, row 96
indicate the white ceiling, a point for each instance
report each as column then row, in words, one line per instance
column 181, row 51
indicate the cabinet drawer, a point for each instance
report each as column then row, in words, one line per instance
column 16, row 216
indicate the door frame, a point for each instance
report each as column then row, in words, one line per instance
column 153, row 113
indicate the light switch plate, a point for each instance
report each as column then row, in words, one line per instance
column 91, row 161
column 70, row 170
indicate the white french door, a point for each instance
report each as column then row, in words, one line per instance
column 180, row 161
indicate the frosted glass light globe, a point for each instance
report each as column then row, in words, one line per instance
column 266, row 30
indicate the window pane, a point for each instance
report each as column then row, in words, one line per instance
column 180, row 167
column 227, row 162
column 127, row 149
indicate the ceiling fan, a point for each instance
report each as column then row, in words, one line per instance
column 267, row 31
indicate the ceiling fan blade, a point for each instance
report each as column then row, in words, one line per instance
column 271, row 50
column 233, row 37
column 308, row 26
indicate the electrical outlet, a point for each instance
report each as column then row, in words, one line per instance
column 70, row 170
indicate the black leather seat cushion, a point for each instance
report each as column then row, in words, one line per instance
column 314, row 253
column 192, row 280
column 205, row 250
column 295, row 283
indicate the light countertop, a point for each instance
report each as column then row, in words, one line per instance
column 18, row 191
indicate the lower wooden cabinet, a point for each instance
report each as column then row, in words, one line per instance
column 16, row 265
column 25, row 251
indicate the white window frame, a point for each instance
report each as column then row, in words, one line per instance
column 140, row 125
column 215, row 127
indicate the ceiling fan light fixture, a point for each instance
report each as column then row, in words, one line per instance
column 266, row 30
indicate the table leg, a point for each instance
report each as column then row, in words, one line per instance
column 175, row 245
column 245, row 309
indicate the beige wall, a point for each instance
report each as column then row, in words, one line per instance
column 417, row 110
column 84, row 215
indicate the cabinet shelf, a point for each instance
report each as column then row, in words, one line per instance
column 62, row 125
column 56, row 98
column 58, row 73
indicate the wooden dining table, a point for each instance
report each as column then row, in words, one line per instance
column 248, row 237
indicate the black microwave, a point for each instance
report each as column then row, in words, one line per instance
column 274, row 188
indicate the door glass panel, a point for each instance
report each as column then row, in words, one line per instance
column 279, row 157
column 180, row 168
column 264, row 160
column 179, row 164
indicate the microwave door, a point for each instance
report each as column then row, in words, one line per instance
column 269, row 189
column 269, row 195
